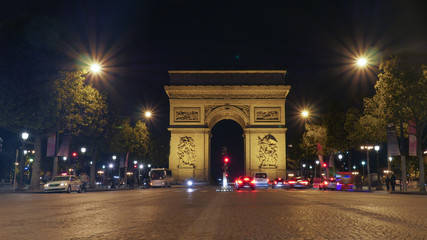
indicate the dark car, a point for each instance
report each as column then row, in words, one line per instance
column 278, row 183
column 297, row 182
column 245, row 182
column 328, row 183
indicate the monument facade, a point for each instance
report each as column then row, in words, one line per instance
column 253, row 99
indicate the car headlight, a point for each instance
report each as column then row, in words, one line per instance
column 46, row 185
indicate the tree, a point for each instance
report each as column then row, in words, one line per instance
column 131, row 140
column 40, row 89
column 401, row 94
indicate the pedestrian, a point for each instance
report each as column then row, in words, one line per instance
column 393, row 182
column 85, row 180
column 387, row 182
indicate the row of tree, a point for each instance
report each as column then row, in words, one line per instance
column 400, row 98
column 43, row 92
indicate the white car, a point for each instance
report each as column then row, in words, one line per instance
column 261, row 179
column 68, row 183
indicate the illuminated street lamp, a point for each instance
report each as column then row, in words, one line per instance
column 367, row 148
column 315, row 167
column 147, row 114
column 363, row 168
column 305, row 114
column 389, row 162
column 83, row 149
column 95, row 68
column 24, row 137
column 379, row 187
column 361, row 62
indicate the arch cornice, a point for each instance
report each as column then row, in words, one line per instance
column 229, row 112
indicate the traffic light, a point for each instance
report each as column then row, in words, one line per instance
column 135, row 166
column 226, row 160
column 325, row 165
column 74, row 154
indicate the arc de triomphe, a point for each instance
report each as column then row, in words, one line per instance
column 253, row 99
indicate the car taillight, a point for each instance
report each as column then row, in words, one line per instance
column 246, row 179
column 325, row 182
column 292, row 181
column 240, row 181
column 304, row 182
column 268, row 180
column 275, row 182
column 253, row 182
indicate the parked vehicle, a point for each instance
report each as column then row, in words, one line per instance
column 261, row 179
column 67, row 183
column 160, row 177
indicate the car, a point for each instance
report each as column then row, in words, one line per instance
column 67, row 183
column 261, row 179
column 244, row 182
column 278, row 183
column 328, row 183
column 297, row 182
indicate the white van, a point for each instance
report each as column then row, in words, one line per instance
column 261, row 179
column 160, row 177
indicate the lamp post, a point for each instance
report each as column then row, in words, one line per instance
column 111, row 166
column 303, row 169
column 363, row 168
column 340, row 158
column 379, row 187
column 367, row 148
column 24, row 136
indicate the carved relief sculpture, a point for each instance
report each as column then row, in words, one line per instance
column 267, row 154
column 186, row 152
column 187, row 114
column 267, row 114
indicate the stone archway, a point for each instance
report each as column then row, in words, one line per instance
column 219, row 95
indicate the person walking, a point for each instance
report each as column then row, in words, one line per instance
column 387, row 182
column 393, row 182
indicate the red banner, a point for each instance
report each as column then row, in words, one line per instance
column 320, row 153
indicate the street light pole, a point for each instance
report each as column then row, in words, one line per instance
column 367, row 159
column 363, row 168
column 379, row 187
column 21, row 162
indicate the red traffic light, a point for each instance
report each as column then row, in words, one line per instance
column 135, row 166
column 324, row 165
column 226, row 160
column 74, row 154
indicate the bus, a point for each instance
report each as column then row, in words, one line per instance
column 160, row 177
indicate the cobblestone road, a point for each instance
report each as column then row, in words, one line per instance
column 207, row 214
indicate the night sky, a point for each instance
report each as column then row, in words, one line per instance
column 317, row 42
